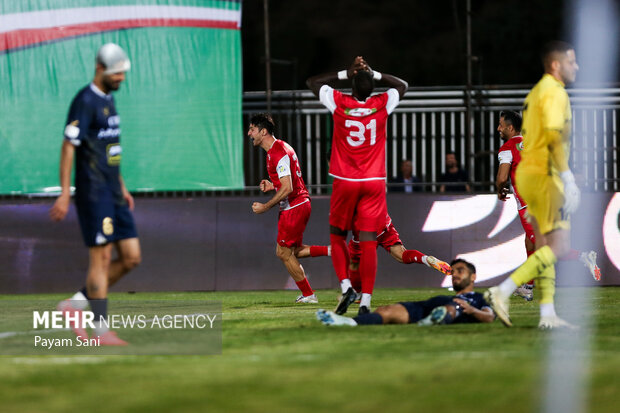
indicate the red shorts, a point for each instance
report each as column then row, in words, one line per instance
column 527, row 227
column 387, row 239
column 292, row 224
column 359, row 204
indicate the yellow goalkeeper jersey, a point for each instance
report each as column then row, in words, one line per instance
column 546, row 108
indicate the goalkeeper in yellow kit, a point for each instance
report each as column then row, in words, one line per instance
column 545, row 182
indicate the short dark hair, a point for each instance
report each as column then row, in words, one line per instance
column 263, row 121
column 512, row 118
column 551, row 48
column 363, row 83
column 471, row 267
column 451, row 152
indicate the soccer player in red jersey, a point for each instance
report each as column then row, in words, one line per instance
column 358, row 166
column 509, row 156
column 292, row 196
column 389, row 239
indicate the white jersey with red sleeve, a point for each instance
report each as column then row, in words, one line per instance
column 282, row 161
column 510, row 153
column 358, row 142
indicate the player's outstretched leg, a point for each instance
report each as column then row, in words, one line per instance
column 329, row 318
column 525, row 292
column 345, row 301
column 414, row 256
column 437, row 316
column 589, row 260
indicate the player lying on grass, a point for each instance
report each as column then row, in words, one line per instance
column 467, row 306
column 390, row 240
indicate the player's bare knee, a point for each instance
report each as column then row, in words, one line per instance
column 132, row 261
column 283, row 253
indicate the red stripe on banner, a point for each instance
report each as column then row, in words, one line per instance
column 28, row 37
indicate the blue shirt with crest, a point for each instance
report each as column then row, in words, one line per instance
column 93, row 127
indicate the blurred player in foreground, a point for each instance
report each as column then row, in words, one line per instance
column 92, row 135
column 467, row 306
column 358, row 166
column 509, row 156
column 390, row 240
column 546, row 184
column 292, row 197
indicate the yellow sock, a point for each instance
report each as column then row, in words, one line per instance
column 535, row 265
column 546, row 285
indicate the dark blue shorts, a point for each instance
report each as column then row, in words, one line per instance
column 419, row 309
column 105, row 221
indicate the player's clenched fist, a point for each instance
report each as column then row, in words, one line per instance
column 266, row 185
column 258, row 208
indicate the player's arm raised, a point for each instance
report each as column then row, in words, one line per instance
column 61, row 206
column 314, row 83
column 284, row 191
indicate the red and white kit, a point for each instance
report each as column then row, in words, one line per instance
column 294, row 209
column 358, row 158
column 386, row 239
column 510, row 152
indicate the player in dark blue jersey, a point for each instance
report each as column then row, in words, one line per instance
column 467, row 306
column 103, row 204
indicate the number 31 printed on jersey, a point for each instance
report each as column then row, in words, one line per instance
column 357, row 137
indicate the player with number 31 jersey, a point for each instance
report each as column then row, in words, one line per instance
column 358, row 166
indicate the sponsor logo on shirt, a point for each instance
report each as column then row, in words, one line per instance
column 109, row 133
column 113, row 152
column 359, row 112
column 520, row 146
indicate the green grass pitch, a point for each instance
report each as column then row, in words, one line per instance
column 277, row 358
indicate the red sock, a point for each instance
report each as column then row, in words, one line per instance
column 318, row 250
column 356, row 280
column 368, row 265
column 304, row 287
column 340, row 255
column 572, row 255
column 410, row 256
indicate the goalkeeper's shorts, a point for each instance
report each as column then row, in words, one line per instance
column 544, row 196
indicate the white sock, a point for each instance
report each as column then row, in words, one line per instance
column 345, row 285
column 79, row 301
column 507, row 287
column 365, row 301
column 329, row 250
column 547, row 310
column 424, row 260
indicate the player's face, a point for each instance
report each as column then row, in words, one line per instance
column 569, row 67
column 461, row 277
column 503, row 129
column 113, row 81
column 255, row 134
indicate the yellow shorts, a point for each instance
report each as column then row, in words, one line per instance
column 544, row 196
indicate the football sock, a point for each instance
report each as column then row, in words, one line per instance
column 546, row 285
column 318, row 250
column 370, row 318
column 507, row 287
column 356, row 280
column 79, row 300
column 340, row 255
column 100, row 311
column 345, row 285
column 304, row 287
column 572, row 255
column 365, row 301
column 547, row 310
column 410, row 256
column 534, row 266
column 368, row 265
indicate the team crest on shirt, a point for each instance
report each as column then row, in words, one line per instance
column 107, row 226
column 359, row 112
column 520, row 146
column 106, row 111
